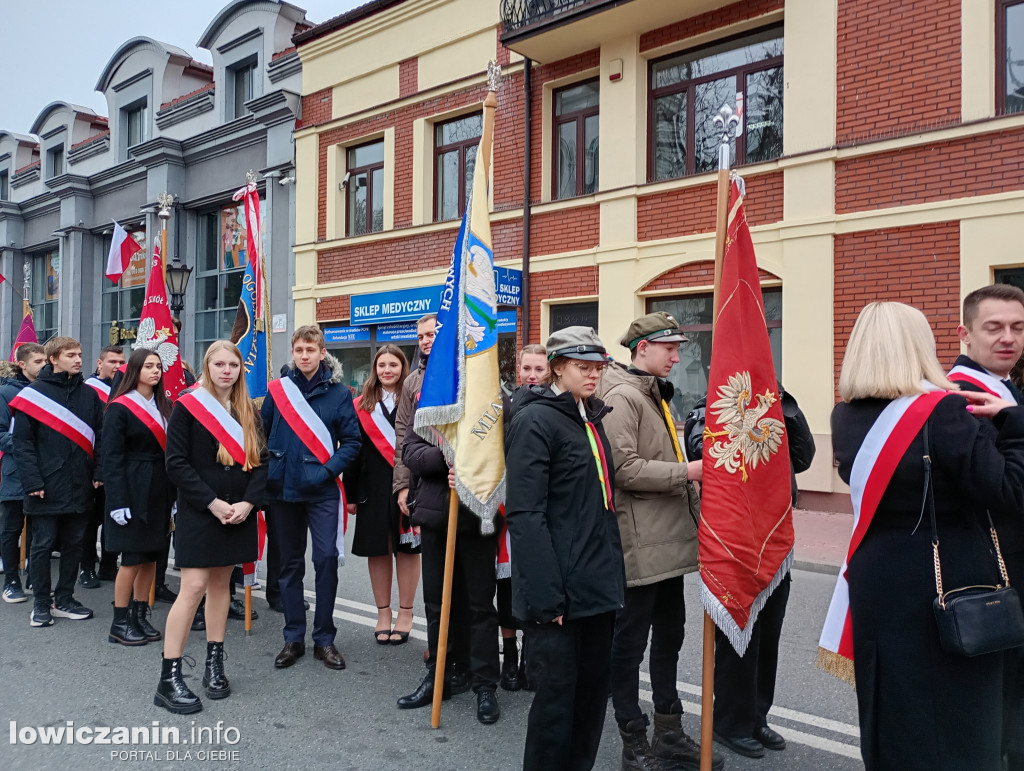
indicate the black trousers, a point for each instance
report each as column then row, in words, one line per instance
column 569, row 666
column 659, row 611
column 474, row 565
column 273, row 587
column 49, row 532
column 745, row 685
column 108, row 559
column 13, row 513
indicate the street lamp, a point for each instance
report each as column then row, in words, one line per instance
column 177, row 281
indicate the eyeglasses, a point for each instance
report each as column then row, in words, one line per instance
column 588, row 367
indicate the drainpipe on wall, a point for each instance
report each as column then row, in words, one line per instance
column 527, row 178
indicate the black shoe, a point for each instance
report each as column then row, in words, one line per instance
column 199, row 620
column 72, row 609
column 107, row 573
column 637, row 754
column 214, row 680
column 423, row 696
column 164, row 593
column 456, row 681
column 123, row 630
column 172, row 694
column 771, row 740
column 236, row 610
column 40, row 616
column 290, row 653
column 510, row 668
column 742, row 745
column 87, row 578
column 673, row 748
column 140, row 611
column 330, row 655
column 487, row 709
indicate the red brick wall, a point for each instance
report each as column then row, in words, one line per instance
column 385, row 256
column 408, row 77
column 721, row 17
column 918, row 265
column 332, row 308
column 693, row 274
column 888, row 81
column 317, row 107
column 566, row 230
column 552, row 284
column 940, row 171
column 691, row 210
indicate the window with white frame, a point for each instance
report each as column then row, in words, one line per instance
column 220, row 265
column 365, row 189
column 455, row 146
column 55, row 161
column 243, row 87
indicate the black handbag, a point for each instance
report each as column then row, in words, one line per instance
column 973, row 620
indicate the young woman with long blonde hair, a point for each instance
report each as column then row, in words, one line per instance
column 216, row 457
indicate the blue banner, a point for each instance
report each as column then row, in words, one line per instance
column 253, row 342
column 508, row 283
column 347, row 335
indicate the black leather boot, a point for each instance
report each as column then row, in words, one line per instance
column 510, row 665
column 172, row 694
column 673, row 747
column 123, row 631
column 214, row 680
column 140, row 617
column 636, row 751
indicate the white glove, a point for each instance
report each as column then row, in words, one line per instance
column 121, row 516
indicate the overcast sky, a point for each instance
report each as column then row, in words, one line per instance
column 55, row 50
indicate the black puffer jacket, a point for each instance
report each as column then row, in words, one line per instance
column 49, row 461
column 567, row 553
column 428, row 485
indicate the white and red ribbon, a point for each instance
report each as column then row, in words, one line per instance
column 213, row 416
column 316, row 437
column 146, row 411
column 56, row 417
column 379, row 429
column 983, row 380
column 102, row 389
column 503, row 558
column 881, row 451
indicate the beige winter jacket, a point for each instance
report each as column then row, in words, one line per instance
column 657, row 507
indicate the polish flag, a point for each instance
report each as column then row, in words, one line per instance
column 122, row 247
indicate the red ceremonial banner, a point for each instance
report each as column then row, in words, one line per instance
column 156, row 330
column 746, row 525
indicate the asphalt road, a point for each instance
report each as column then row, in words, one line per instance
column 308, row 717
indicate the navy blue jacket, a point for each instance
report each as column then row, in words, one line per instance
column 10, row 480
column 294, row 474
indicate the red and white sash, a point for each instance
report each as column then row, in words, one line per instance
column 146, row 411
column 102, row 389
column 213, row 416
column 503, row 558
column 379, row 429
column 56, row 417
column 983, row 380
column 884, row 446
column 316, row 437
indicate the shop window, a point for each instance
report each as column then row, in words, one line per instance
column 572, row 315
column 55, row 161
column 455, row 145
column 46, row 293
column 1009, row 56
column 5, row 186
column 121, row 304
column 575, row 140
column 688, row 90
column 220, row 264
column 693, row 312
column 242, row 79
column 364, row 182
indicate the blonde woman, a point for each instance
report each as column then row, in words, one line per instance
column 920, row 707
column 216, row 457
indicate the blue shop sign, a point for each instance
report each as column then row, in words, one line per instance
column 401, row 332
column 506, row 322
column 396, row 305
column 347, row 334
column 509, row 283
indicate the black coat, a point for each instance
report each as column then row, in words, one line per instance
column 567, row 554
column 49, row 461
column 10, row 479
column 429, row 494
column 200, row 540
column 921, row 708
column 134, row 477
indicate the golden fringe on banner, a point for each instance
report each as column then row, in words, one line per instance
column 835, row 665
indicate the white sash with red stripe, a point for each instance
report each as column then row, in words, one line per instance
column 379, row 429
column 503, row 558
column 146, row 411
column 314, row 435
column 983, row 380
column 884, row 446
column 102, row 389
column 215, row 418
column 56, row 417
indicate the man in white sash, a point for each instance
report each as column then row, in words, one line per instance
column 312, row 437
column 56, row 426
column 110, row 360
column 993, row 335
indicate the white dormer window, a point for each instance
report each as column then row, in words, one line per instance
column 5, row 190
column 55, row 161
column 135, row 124
column 242, row 87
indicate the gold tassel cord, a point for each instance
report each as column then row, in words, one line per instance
column 836, row 665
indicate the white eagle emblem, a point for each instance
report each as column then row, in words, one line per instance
column 156, row 341
column 751, row 437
